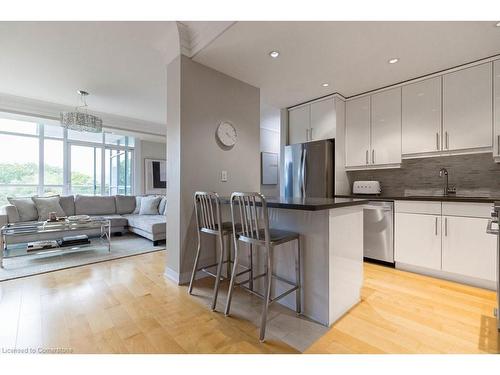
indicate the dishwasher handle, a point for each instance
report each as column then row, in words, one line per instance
column 489, row 227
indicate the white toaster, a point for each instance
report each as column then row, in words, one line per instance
column 366, row 187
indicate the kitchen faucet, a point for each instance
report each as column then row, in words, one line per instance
column 446, row 188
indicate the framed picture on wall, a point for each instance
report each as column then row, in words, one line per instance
column 155, row 176
column 269, row 168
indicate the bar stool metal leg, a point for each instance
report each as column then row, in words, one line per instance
column 228, row 264
column 195, row 267
column 250, row 261
column 233, row 277
column 298, row 292
column 219, row 271
column 267, row 294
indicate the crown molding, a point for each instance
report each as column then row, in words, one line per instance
column 195, row 36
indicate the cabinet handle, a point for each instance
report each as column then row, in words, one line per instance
column 447, row 141
column 307, row 134
column 311, row 134
column 366, row 156
column 436, row 227
column 373, row 156
column 437, row 141
column 498, row 145
column 445, row 226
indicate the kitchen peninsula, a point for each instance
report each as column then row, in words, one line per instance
column 331, row 232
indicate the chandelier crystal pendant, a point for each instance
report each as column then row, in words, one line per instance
column 80, row 119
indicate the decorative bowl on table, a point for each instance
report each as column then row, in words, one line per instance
column 79, row 219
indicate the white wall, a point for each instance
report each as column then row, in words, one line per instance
column 198, row 99
column 146, row 150
column 270, row 140
column 341, row 181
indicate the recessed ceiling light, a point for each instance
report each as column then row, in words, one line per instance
column 325, row 84
column 497, row 24
column 393, row 61
column 274, row 54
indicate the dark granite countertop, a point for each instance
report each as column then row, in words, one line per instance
column 309, row 204
column 435, row 198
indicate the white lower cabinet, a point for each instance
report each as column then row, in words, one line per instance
column 467, row 248
column 448, row 239
column 418, row 240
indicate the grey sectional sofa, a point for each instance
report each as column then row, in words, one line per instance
column 123, row 212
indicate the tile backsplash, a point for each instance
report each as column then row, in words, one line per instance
column 475, row 174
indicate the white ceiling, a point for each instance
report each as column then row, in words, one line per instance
column 121, row 64
column 350, row 56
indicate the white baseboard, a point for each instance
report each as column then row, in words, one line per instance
column 479, row 283
column 184, row 277
column 172, row 275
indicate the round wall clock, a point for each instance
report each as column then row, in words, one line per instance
column 226, row 134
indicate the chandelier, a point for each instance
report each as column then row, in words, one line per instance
column 80, row 119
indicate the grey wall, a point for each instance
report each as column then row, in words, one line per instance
column 198, row 99
column 270, row 141
column 146, row 150
column 475, row 173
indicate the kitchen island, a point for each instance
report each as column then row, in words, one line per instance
column 332, row 253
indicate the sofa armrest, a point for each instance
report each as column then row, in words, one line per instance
column 11, row 212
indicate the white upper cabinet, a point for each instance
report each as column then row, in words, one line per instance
column 421, row 116
column 467, row 108
column 323, row 120
column 386, row 127
column 496, row 113
column 299, row 120
column 357, row 137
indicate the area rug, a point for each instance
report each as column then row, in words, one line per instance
column 121, row 247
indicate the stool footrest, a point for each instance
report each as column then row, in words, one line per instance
column 214, row 265
column 213, row 274
column 272, row 300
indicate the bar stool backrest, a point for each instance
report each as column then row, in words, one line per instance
column 244, row 207
column 207, row 211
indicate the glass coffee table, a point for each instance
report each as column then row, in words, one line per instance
column 15, row 244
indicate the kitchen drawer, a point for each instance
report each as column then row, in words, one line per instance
column 482, row 210
column 418, row 207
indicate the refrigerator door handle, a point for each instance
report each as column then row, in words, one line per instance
column 301, row 172
column 304, row 179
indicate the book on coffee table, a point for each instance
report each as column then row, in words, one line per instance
column 74, row 240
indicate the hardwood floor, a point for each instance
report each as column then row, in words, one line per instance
column 403, row 312
column 120, row 306
column 128, row 306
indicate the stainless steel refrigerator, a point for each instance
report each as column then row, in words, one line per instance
column 310, row 169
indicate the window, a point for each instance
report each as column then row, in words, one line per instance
column 45, row 159
column 85, row 170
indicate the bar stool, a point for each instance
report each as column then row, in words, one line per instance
column 209, row 220
column 261, row 237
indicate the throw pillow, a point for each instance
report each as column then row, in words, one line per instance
column 45, row 205
column 163, row 204
column 149, row 205
column 25, row 207
column 137, row 205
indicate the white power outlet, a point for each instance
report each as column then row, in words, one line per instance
column 223, row 176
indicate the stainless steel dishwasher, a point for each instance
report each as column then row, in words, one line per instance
column 378, row 235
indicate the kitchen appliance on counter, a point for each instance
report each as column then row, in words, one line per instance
column 494, row 229
column 378, row 224
column 310, row 169
column 366, row 187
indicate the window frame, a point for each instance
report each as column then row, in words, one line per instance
column 66, row 185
